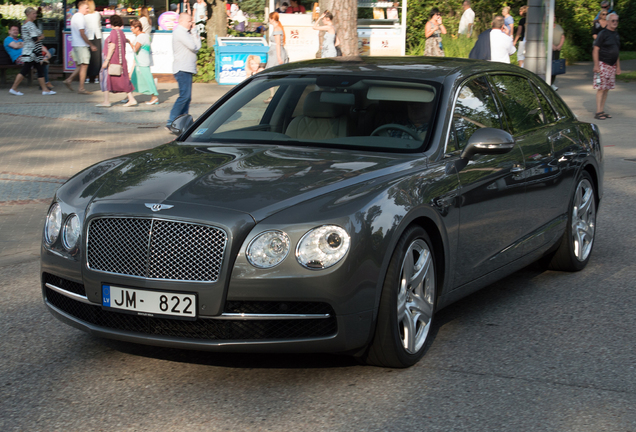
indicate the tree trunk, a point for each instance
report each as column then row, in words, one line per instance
column 217, row 23
column 345, row 20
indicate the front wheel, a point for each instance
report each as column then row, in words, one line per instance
column 575, row 249
column 407, row 303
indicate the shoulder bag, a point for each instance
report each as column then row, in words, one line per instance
column 116, row 69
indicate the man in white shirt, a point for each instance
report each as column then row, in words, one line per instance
column 82, row 48
column 186, row 43
column 467, row 20
column 501, row 47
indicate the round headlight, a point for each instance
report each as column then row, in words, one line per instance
column 53, row 224
column 71, row 231
column 323, row 247
column 268, row 249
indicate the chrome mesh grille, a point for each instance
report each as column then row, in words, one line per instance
column 155, row 249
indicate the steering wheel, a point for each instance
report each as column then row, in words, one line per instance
column 399, row 127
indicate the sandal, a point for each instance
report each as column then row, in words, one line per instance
column 606, row 115
column 84, row 92
column 600, row 116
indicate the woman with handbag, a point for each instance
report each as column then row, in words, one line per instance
column 117, row 79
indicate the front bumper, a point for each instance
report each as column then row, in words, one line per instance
column 244, row 326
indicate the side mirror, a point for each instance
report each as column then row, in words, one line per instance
column 181, row 124
column 488, row 141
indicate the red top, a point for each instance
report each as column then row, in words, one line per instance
column 299, row 9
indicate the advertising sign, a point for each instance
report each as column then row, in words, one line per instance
column 232, row 67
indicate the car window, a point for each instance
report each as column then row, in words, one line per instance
column 382, row 114
column 475, row 108
column 519, row 102
column 559, row 106
column 549, row 116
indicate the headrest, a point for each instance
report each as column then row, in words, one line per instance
column 314, row 108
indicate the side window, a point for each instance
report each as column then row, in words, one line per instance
column 548, row 113
column 519, row 101
column 475, row 108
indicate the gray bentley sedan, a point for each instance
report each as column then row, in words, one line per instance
column 327, row 206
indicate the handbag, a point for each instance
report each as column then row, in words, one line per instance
column 116, row 69
column 558, row 67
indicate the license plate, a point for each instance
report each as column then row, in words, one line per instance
column 149, row 303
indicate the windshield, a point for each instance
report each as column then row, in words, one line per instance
column 330, row 111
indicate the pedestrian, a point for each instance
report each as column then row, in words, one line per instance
column 599, row 24
column 606, row 64
column 142, row 78
column 200, row 15
column 558, row 39
column 82, row 48
column 521, row 36
column 433, row 31
column 13, row 43
column 186, row 43
column 501, row 47
column 282, row 8
column 94, row 34
column 115, row 65
column 605, row 7
column 295, row 7
column 145, row 20
column 509, row 22
column 467, row 21
column 31, row 54
column 330, row 39
column 277, row 54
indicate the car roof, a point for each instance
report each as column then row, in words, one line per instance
column 409, row 67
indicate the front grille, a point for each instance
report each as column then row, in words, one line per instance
column 156, row 249
column 208, row 329
column 65, row 284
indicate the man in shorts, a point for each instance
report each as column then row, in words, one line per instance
column 606, row 64
column 82, row 48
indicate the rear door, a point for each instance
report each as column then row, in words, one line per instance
column 534, row 129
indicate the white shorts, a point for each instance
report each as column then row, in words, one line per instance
column 81, row 55
column 521, row 52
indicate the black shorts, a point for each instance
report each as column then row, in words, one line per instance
column 26, row 69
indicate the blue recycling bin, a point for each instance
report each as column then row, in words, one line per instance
column 231, row 56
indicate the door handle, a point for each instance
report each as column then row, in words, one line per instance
column 569, row 154
column 517, row 169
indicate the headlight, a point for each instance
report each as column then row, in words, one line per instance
column 71, row 231
column 323, row 247
column 53, row 224
column 268, row 249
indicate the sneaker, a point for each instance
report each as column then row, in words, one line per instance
column 96, row 80
column 50, row 92
column 555, row 88
column 87, row 81
column 14, row 92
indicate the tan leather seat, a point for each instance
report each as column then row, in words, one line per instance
column 319, row 120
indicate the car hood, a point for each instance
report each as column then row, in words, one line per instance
column 255, row 179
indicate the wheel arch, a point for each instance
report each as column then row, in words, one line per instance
column 439, row 248
column 592, row 171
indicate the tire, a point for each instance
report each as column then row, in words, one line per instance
column 575, row 249
column 405, row 317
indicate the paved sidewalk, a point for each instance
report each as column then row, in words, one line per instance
column 46, row 139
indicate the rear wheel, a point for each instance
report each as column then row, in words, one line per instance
column 407, row 304
column 575, row 249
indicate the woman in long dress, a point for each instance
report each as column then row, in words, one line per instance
column 330, row 40
column 433, row 31
column 142, row 78
column 277, row 54
column 116, row 54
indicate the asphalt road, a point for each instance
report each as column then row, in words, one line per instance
column 537, row 351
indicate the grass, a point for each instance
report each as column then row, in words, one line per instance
column 627, row 55
column 626, row 76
